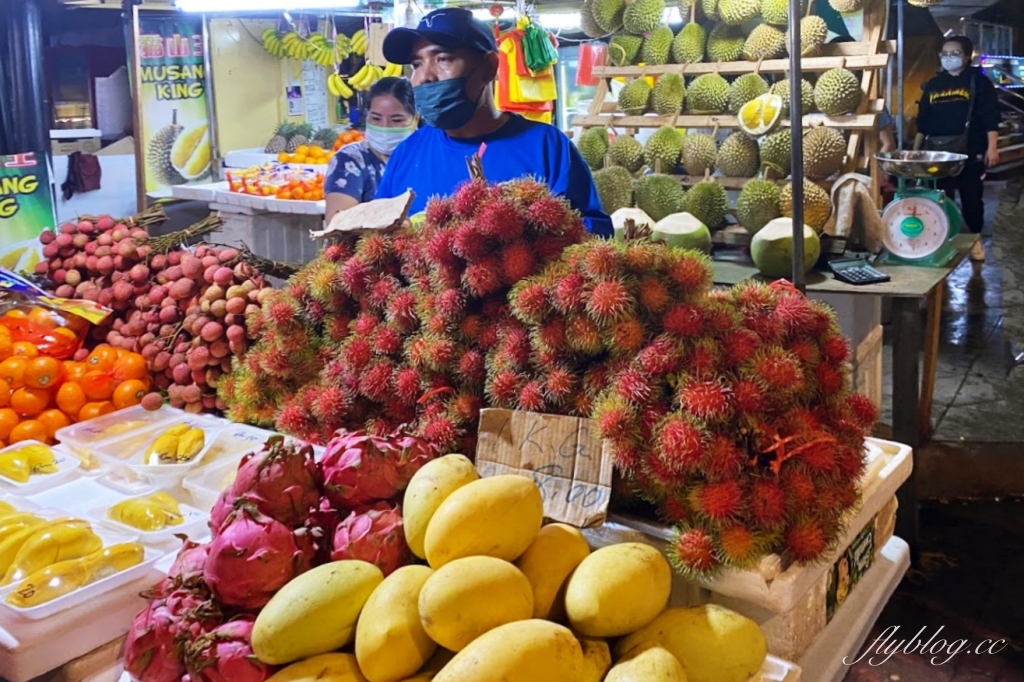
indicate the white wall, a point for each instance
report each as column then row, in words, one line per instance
column 116, row 195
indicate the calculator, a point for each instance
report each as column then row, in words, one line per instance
column 856, row 271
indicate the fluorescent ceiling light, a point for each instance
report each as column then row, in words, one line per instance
column 562, row 21
column 483, row 15
column 262, row 5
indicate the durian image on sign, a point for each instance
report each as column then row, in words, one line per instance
column 176, row 155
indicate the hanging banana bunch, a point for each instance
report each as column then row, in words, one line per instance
column 272, row 43
column 359, row 42
column 337, row 87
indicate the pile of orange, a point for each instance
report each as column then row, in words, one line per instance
column 347, row 137
column 39, row 394
column 302, row 190
column 306, row 154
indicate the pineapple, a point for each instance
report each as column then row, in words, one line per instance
column 279, row 142
column 299, row 137
column 324, row 138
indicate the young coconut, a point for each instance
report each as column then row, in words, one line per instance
column 772, row 248
column 683, row 230
column 620, row 217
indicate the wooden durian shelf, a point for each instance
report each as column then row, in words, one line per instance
column 768, row 66
column 865, row 121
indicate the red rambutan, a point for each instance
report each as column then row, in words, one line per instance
column 551, row 334
column 518, row 262
column 819, row 457
column 717, row 501
column 499, row 219
column 329, row 403
column 653, row 294
column 609, row 300
column 850, row 462
column 777, row 370
column 693, row 552
column 487, row 337
column 835, row 349
column 806, row 350
column 569, row 293
column 664, row 355
column 723, row 459
column 503, row 388
column 704, row 359
column 281, row 313
column 357, row 353
column 830, row 380
column 466, row 407
column 407, row 385
column 468, row 243
column 531, row 397
column 440, row 431
column 750, row 294
column 707, row 400
column 550, row 247
column 529, row 301
column 602, row 260
column 626, row 336
column 471, row 368
column 437, row 324
column 680, row 442
column 799, row 487
column 365, row 324
column 642, row 257
column 294, row 420
column 381, row 290
column 863, row 412
column 438, row 246
column 451, row 303
column 824, row 320
column 336, row 251
column 615, row 419
column 739, row 345
column 526, row 190
column 375, row 383
column 439, row 212
column 401, row 311
column 482, row 278
column 633, row 386
column 547, row 214
column 805, row 541
column 559, row 384
column 738, row 546
column 515, row 343
column 684, row 320
column 387, row 340
column 793, row 313
column 470, row 327
column 692, row 272
column 747, row 396
column 675, row 509
column 374, row 248
column 766, row 504
column 468, row 198
column 355, row 275
column 583, row 336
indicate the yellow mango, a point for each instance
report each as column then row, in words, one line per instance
column 497, row 516
column 50, row 545
column 525, row 651
column 331, row 667
column 597, row 659
column 547, row 563
column 467, row 597
column 711, row 643
column 651, row 664
column 618, row 589
column 315, row 613
column 390, row 640
column 436, row 663
column 429, row 487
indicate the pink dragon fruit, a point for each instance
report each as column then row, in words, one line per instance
column 153, row 651
column 360, row 469
column 253, row 557
column 222, row 509
column 185, row 573
column 225, row 655
column 375, row 536
column 282, row 480
column 320, row 527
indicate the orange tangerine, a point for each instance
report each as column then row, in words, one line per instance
column 43, row 318
column 102, row 357
column 130, row 366
column 6, row 347
column 16, row 314
column 28, row 402
column 25, row 349
column 95, row 409
column 53, row 420
column 43, row 372
column 12, row 370
column 30, row 429
column 129, row 393
column 71, row 398
column 8, row 420
column 74, row 371
column 98, row 385
column 5, row 394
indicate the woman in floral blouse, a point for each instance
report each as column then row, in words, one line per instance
column 355, row 171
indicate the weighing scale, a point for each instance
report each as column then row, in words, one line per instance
column 919, row 225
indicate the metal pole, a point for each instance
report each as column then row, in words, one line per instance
column 899, row 74
column 211, row 106
column 797, row 148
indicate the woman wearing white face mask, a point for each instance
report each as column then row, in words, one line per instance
column 959, row 112
column 355, row 171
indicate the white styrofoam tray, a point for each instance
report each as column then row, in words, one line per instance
column 84, row 438
column 843, row 637
column 204, row 192
column 889, row 466
column 67, row 465
column 247, row 158
column 193, row 523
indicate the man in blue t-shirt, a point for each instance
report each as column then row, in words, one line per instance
column 454, row 62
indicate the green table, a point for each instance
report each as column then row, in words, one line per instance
column 912, row 386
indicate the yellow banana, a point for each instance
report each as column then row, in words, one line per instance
column 11, row 545
column 267, row 33
column 332, row 85
column 56, row 543
column 190, row 444
column 64, row 577
column 346, row 91
column 358, row 81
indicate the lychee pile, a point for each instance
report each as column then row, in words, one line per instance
column 730, row 409
column 184, row 311
column 396, row 329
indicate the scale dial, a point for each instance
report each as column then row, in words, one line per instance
column 914, row 228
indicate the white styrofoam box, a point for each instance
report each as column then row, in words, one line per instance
column 77, row 497
column 292, row 206
column 67, row 465
column 84, row 438
column 113, row 103
column 204, row 192
column 843, row 637
column 247, row 158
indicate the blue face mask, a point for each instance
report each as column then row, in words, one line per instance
column 444, row 104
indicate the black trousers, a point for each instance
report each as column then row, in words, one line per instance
column 971, row 188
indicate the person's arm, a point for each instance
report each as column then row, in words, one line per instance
column 344, row 184
column 988, row 116
column 574, row 181
column 885, row 127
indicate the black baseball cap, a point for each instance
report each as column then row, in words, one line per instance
column 451, row 27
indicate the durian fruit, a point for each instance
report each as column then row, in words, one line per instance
column 593, row 146
column 588, row 23
column 158, row 152
column 657, row 45
column 709, row 8
column 699, row 153
column 614, row 187
column 684, row 8
column 760, row 115
column 775, row 152
column 738, row 157
column 625, row 151
column 817, row 205
column 824, row 152
column 725, row 43
column 635, row 97
column 192, row 153
column 642, row 16
column 707, row 94
column 668, row 94
column 736, row 12
column 764, row 42
column 624, row 48
column 776, row 12
column 745, row 88
column 757, row 204
column 658, row 195
column 707, row 202
column 837, row 92
column 608, row 14
column 688, row 45
column 806, row 95
column 664, row 146
column 847, row 6
column 813, row 33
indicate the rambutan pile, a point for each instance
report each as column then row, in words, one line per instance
column 395, row 330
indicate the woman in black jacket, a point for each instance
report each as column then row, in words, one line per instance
column 942, row 117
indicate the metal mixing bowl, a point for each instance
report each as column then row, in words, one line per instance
column 921, row 165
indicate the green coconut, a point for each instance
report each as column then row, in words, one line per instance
column 683, row 230
column 772, row 248
column 620, row 217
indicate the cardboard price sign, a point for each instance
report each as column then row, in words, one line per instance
column 569, row 463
